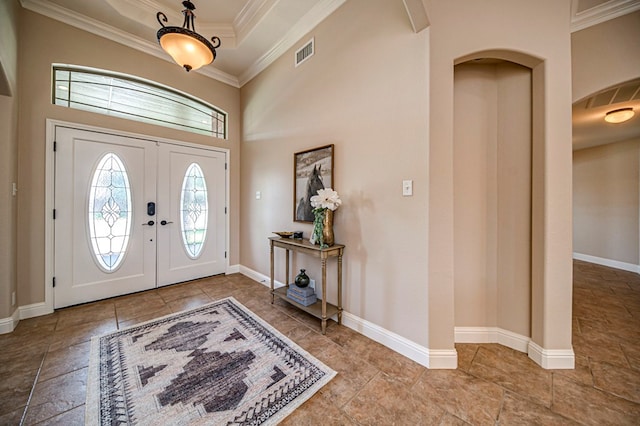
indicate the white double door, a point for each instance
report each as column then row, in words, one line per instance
column 133, row 214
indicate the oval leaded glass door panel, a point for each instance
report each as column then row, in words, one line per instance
column 194, row 210
column 109, row 212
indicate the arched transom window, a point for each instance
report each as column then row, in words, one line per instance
column 135, row 99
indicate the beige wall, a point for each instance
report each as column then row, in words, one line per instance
column 605, row 197
column 8, row 152
column 462, row 30
column 45, row 41
column 365, row 91
column 605, row 55
column 492, row 196
column 384, row 97
column 606, row 202
column 475, row 198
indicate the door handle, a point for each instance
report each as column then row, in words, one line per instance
column 164, row 222
column 150, row 223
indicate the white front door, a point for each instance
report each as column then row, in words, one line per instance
column 191, row 218
column 128, row 216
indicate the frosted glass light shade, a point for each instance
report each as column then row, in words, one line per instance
column 619, row 115
column 188, row 50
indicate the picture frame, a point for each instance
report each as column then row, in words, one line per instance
column 312, row 170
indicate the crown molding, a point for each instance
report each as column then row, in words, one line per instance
column 249, row 17
column 232, row 33
column 317, row 14
column 144, row 12
column 601, row 13
column 98, row 28
column 211, row 72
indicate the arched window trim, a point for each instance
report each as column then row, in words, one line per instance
column 63, row 95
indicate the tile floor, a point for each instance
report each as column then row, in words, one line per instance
column 375, row 386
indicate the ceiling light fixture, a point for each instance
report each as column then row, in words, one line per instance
column 188, row 48
column 619, row 115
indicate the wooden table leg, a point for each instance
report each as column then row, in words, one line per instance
column 340, row 288
column 324, row 295
column 286, row 270
column 273, row 296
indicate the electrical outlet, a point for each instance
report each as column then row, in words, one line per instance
column 13, row 298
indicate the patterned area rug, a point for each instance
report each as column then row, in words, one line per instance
column 218, row 364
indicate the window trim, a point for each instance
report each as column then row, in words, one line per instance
column 138, row 80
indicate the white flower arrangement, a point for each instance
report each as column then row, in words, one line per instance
column 326, row 199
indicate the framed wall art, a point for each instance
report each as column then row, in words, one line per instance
column 312, row 170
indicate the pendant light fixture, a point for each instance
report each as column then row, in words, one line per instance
column 188, row 48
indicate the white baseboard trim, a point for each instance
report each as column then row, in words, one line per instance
column 607, row 262
column 261, row 278
column 552, row 359
column 430, row 358
column 555, row 359
column 492, row 335
column 232, row 269
column 7, row 325
column 34, row 310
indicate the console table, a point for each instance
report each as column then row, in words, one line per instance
column 321, row 309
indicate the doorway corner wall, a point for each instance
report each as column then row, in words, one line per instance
column 462, row 31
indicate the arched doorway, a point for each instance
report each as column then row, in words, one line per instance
column 492, row 202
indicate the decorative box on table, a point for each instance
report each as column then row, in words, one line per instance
column 303, row 295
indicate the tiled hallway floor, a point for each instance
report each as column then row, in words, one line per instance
column 374, row 385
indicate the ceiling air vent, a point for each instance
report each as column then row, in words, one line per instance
column 304, row 53
column 624, row 93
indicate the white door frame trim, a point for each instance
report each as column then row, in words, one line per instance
column 49, row 238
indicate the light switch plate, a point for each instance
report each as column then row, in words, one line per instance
column 407, row 187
